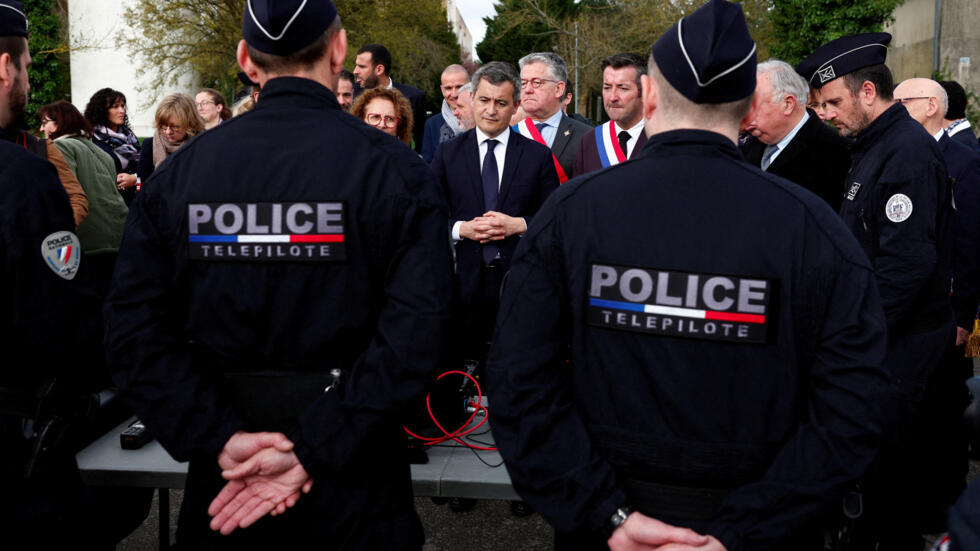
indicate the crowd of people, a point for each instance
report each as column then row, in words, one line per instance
column 733, row 316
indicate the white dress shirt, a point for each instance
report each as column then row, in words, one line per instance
column 781, row 145
column 634, row 135
column 499, row 153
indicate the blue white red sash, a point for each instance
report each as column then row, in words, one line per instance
column 527, row 129
column 607, row 144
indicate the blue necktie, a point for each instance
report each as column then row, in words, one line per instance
column 767, row 156
column 541, row 126
column 491, row 184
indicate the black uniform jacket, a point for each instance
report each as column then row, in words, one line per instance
column 898, row 203
column 292, row 240
column 725, row 332
column 47, row 320
column 963, row 165
column 816, row 158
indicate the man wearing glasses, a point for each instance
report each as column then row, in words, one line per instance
column 897, row 202
column 543, row 78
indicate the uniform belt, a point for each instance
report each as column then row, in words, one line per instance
column 678, row 503
column 272, row 400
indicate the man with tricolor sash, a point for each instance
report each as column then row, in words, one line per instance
column 543, row 78
column 622, row 137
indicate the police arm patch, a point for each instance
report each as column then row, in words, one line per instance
column 898, row 208
column 62, row 252
column 312, row 231
column 679, row 304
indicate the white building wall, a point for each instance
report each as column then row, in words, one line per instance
column 98, row 62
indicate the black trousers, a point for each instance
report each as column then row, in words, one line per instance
column 921, row 467
column 478, row 314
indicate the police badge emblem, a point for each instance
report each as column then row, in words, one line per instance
column 898, row 208
column 826, row 74
column 62, row 252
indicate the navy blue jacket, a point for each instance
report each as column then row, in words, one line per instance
column 433, row 134
column 285, row 262
column 898, row 203
column 724, row 330
column 529, row 177
column 963, row 165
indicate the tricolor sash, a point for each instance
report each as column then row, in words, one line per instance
column 607, row 144
column 527, row 129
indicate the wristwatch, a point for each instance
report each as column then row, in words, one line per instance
column 618, row 518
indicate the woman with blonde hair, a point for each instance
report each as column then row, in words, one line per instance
column 176, row 122
column 387, row 110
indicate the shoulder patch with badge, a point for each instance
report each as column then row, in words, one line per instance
column 62, row 252
column 898, row 208
column 680, row 304
column 267, row 232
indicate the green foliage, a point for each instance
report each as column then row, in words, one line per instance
column 49, row 75
column 199, row 37
column 180, row 37
column 521, row 27
column 417, row 34
column 972, row 99
column 586, row 32
column 800, row 26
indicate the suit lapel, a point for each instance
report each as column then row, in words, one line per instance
column 515, row 148
column 471, row 159
column 562, row 137
column 795, row 146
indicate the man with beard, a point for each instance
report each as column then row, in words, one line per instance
column 13, row 131
column 897, row 202
column 45, row 321
column 372, row 68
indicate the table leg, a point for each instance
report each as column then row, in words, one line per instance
column 163, row 512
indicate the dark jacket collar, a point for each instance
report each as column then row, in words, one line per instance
column 878, row 127
column 700, row 141
column 296, row 91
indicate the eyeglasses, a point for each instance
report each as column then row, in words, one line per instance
column 204, row 103
column 535, row 82
column 171, row 128
column 46, row 121
column 375, row 119
column 904, row 100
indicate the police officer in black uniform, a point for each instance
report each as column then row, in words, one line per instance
column 898, row 205
column 292, row 250
column 725, row 332
column 46, row 319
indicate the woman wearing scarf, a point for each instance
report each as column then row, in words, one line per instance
column 106, row 110
column 176, row 121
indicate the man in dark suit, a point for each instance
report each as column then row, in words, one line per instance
column 955, row 121
column 372, row 67
column 622, row 137
column 543, row 78
column 790, row 141
column 495, row 180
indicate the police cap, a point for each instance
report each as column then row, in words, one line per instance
column 284, row 27
column 844, row 55
column 709, row 56
column 13, row 22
